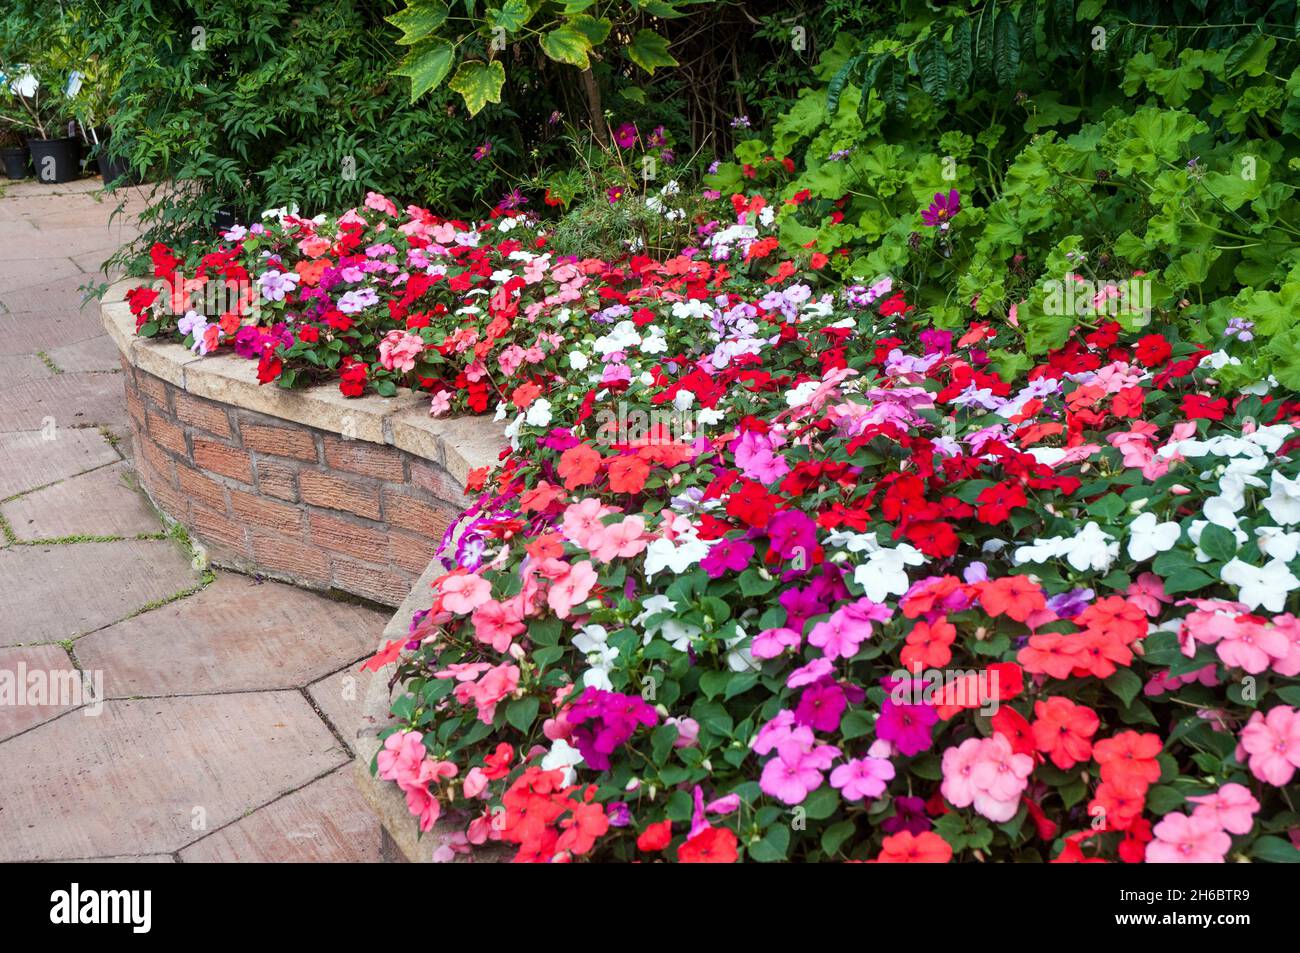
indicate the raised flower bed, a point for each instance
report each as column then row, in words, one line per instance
column 309, row 487
column 777, row 568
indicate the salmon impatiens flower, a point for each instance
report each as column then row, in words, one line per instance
column 1272, row 744
column 1063, row 731
column 906, row 847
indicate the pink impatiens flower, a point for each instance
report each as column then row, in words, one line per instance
column 1180, row 839
column 986, row 773
column 1232, row 807
column 796, row 771
column 862, row 778
column 1273, row 743
column 399, row 349
column 462, row 592
column 572, row 588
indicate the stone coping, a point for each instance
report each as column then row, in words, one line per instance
column 458, row 444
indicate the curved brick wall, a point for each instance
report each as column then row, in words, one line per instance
column 304, row 486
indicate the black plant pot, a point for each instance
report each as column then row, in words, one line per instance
column 15, row 162
column 113, row 170
column 56, row 160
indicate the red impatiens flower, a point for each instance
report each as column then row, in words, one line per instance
column 1008, row 722
column 1200, row 407
column 655, row 837
column 996, row 502
column 1051, row 654
column 713, row 845
column 1118, row 804
column 937, row 540
column 628, row 474
column 905, row 847
column 1153, row 350
column 1063, row 731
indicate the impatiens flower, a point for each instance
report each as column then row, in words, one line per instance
column 399, row 349
column 462, row 592
column 862, row 778
column 1129, row 756
column 655, row 837
column 1063, row 731
column 727, row 555
column 1015, row 596
column 907, row 727
column 796, row 771
column 928, row 645
column 770, row 643
column 1272, row 744
column 906, row 847
column 571, row 589
column 1180, row 839
column 1232, row 807
column 986, row 773
column 1147, row 537
column 1267, row 587
column 713, row 845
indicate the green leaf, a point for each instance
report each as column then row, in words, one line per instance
column 1006, row 48
column 427, row 65
column 595, row 29
column 1218, row 543
column 835, row 836
column 479, row 83
column 822, row 803
column 568, row 44
column 1274, row 850
column 1125, row 685
column 932, row 62
column 522, row 712
column 774, row 845
column 649, row 51
column 511, row 17
column 419, row 21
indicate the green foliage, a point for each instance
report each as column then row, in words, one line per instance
column 1097, row 139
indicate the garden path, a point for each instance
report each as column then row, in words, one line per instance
column 217, row 731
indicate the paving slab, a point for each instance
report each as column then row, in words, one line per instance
column 92, row 354
column 26, row 332
column 341, row 697
column 61, row 290
column 150, row 776
column 18, row 273
column 33, row 458
column 21, row 368
column 66, row 400
column 25, row 671
column 103, row 502
column 235, row 635
column 53, row 592
column 325, row 822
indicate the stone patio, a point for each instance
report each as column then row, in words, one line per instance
column 226, row 699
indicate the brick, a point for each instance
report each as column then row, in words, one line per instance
column 338, row 493
column 411, row 552
column 135, row 407
column 202, row 488
column 279, row 441
column 439, row 484
column 368, row 459
column 212, row 527
column 203, row 414
column 152, row 389
column 277, row 479
column 408, row 512
column 158, row 459
column 372, row 582
column 341, row 536
column 167, row 434
column 298, row 561
column 262, row 512
column 228, row 461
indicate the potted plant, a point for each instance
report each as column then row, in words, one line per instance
column 92, row 106
column 13, row 154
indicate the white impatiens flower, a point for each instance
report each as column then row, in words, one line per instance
column 739, row 658
column 678, row 634
column 885, row 574
column 1148, row 537
column 539, row 413
column 578, row 361
column 562, row 757
column 1276, row 543
column 1221, row 511
column 593, row 642
column 802, row 394
column 665, row 554
column 1267, row 587
column 1092, row 549
column 1283, row 503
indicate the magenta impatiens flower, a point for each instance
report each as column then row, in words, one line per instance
column 727, row 555
column 906, row 727
column 942, row 209
column 604, row 720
